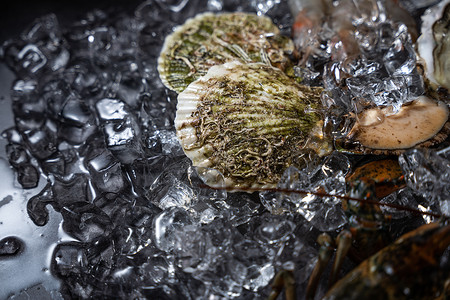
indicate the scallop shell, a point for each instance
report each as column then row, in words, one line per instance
column 248, row 121
column 433, row 45
column 211, row 39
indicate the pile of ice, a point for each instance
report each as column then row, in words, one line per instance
column 93, row 119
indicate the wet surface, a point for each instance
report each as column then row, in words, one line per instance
column 97, row 198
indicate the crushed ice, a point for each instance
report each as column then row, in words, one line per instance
column 94, row 122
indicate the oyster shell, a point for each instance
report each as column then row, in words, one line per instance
column 423, row 123
column 248, row 121
column 433, row 45
column 211, row 39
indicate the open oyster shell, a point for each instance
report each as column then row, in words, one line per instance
column 433, row 45
column 212, row 39
column 248, row 121
column 422, row 123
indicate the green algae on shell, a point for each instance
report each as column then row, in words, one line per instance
column 248, row 121
column 212, row 39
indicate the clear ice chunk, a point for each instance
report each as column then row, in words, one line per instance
column 75, row 111
column 69, row 259
column 36, row 206
column 168, row 222
column 383, row 73
column 170, row 143
column 426, row 172
column 118, row 134
column 241, row 208
column 76, row 135
column 155, row 271
column 28, row 176
column 121, row 129
column 226, row 276
column 192, row 248
column 274, row 229
column 99, row 124
column 400, row 58
column 112, row 109
column 17, row 155
column 41, row 49
column 71, row 190
column 85, row 222
column 10, row 246
column 259, row 276
column 172, row 187
column 122, row 139
column 323, row 212
column 130, row 83
column 177, row 195
column 41, row 142
column 106, row 172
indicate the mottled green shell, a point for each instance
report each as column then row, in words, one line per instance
column 248, row 121
column 212, row 39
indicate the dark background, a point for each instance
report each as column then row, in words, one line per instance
column 16, row 15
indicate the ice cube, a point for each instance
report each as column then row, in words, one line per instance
column 121, row 129
column 17, row 154
column 10, row 246
column 241, row 208
column 41, row 142
column 69, row 259
column 85, row 80
column 85, row 222
column 41, row 49
column 122, row 139
column 274, row 229
column 155, row 271
column 426, row 172
column 26, row 100
column 75, row 111
column 192, row 248
column 27, row 175
column 143, row 171
column 112, row 109
column 54, row 94
column 259, row 276
column 36, row 206
column 76, row 135
column 225, row 275
column 177, row 195
column 166, row 223
column 74, row 189
column 131, row 83
column 400, row 58
column 106, row 172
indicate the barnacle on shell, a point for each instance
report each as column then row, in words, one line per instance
column 211, row 39
column 248, row 121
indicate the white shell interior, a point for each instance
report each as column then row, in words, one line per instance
column 426, row 42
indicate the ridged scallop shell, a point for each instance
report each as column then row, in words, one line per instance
column 248, row 121
column 212, row 39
